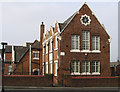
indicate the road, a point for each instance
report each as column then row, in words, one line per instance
column 62, row 89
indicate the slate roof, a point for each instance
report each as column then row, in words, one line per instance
column 20, row 51
column 36, row 44
column 62, row 26
column 8, row 49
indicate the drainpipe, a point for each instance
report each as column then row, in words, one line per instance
column 30, row 61
column 13, row 54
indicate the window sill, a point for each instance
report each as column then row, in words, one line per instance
column 95, row 73
column 74, row 50
column 86, row 51
column 86, row 73
column 96, row 51
column 75, row 73
column 51, row 51
column 35, row 58
column 56, row 49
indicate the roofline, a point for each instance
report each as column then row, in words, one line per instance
column 69, row 22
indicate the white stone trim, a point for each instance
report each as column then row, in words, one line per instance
column 35, row 51
column 74, row 50
column 89, row 20
column 51, row 37
column 88, row 73
column 75, row 73
column 86, row 51
column 96, row 51
column 56, row 49
column 35, row 58
column 58, row 27
column 56, row 61
column 35, row 69
column 95, row 73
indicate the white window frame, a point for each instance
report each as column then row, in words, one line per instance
column 46, row 47
column 51, row 56
column 75, row 43
column 56, row 43
column 51, row 67
column 51, row 45
column 46, row 67
column 95, row 50
column 43, row 68
column 85, row 66
column 43, row 49
column 74, row 70
column 56, row 67
column 34, row 56
column 85, row 40
column 96, row 73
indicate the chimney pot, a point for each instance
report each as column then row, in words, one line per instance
column 42, row 23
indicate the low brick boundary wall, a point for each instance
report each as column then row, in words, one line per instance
column 71, row 81
column 28, row 80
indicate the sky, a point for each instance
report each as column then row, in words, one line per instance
column 21, row 20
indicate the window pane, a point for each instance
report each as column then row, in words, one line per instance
column 95, row 42
column 87, row 66
column 75, row 67
column 72, row 66
column 85, row 40
column 75, row 42
column 83, row 66
column 95, row 66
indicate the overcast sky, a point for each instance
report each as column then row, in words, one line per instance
column 21, row 21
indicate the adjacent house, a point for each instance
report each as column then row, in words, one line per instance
column 115, row 68
column 80, row 46
column 22, row 59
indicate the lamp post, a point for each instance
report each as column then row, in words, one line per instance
column 3, row 51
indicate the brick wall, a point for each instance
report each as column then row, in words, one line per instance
column 28, row 80
column 91, row 81
column 23, row 66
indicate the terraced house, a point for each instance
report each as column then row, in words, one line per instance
column 80, row 46
column 22, row 60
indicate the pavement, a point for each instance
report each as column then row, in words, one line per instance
column 62, row 88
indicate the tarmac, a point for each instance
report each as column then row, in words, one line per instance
column 62, row 88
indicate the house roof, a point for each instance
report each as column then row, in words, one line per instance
column 8, row 49
column 62, row 26
column 35, row 45
column 20, row 51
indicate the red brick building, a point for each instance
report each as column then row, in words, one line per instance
column 79, row 46
column 22, row 59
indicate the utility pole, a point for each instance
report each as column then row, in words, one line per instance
column 3, row 51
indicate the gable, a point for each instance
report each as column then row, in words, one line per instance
column 75, row 21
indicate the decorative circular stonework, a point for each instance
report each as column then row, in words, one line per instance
column 85, row 19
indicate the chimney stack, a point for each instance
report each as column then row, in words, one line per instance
column 41, row 33
column 41, row 41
